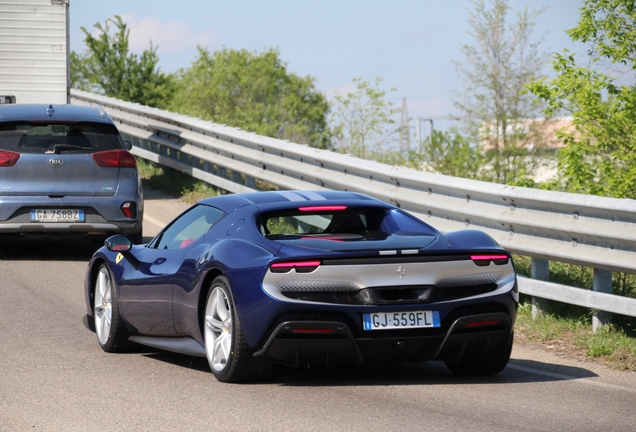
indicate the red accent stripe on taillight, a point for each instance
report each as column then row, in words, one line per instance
column 115, row 159
column 292, row 264
column 488, row 257
column 300, row 266
column 313, row 330
column 322, row 208
column 8, row 158
column 483, row 260
column 483, row 323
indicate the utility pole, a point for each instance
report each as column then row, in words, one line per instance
column 405, row 130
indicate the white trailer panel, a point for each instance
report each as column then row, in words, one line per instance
column 34, row 51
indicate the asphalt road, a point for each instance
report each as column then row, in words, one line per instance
column 54, row 376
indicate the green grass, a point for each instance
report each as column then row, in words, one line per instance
column 174, row 182
column 573, row 337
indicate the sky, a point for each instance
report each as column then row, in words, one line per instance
column 409, row 44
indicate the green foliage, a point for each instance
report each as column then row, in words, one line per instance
column 452, row 154
column 497, row 109
column 363, row 120
column 79, row 76
column 600, row 344
column 107, row 67
column 174, row 182
column 600, row 154
column 254, row 92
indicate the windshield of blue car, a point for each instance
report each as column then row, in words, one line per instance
column 341, row 226
column 46, row 138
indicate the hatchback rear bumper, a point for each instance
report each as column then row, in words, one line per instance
column 102, row 216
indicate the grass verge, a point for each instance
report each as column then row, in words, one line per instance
column 573, row 338
column 567, row 329
column 174, row 182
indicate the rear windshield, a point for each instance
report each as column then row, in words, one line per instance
column 343, row 226
column 42, row 137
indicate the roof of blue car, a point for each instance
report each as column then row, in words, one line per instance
column 288, row 199
column 35, row 112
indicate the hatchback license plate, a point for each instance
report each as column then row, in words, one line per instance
column 59, row 215
column 400, row 320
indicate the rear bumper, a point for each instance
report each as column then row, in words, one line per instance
column 102, row 216
column 330, row 343
column 68, row 229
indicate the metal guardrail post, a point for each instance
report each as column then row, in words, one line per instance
column 236, row 177
column 221, row 171
column 540, row 271
column 602, row 283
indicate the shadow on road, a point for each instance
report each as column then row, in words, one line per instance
column 432, row 373
column 35, row 249
column 428, row 373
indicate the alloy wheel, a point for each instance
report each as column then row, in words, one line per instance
column 218, row 329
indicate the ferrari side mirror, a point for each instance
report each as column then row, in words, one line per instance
column 119, row 243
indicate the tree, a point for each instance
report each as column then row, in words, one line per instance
column 79, row 74
column 108, row 67
column 363, row 121
column 497, row 110
column 600, row 153
column 254, row 92
column 451, row 154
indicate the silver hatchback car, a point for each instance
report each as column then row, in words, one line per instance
column 65, row 171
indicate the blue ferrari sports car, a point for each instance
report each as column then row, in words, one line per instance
column 305, row 278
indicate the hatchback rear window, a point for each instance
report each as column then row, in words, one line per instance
column 43, row 137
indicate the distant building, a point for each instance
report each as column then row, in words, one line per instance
column 536, row 133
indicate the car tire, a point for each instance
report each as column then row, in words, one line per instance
column 492, row 362
column 230, row 357
column 112, row 335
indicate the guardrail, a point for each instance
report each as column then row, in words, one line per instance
column 591, row 231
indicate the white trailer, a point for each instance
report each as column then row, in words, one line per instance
column 34, row 51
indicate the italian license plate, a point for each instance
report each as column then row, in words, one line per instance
column 57, row 215
column 400, row 320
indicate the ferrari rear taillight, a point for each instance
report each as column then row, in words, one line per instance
column 8, row 158
column 129, row 209
column 300, row 266
column 115, row 159
column 485, row 259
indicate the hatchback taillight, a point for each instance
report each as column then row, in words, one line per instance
column 8, row 158
column 129, row 209
column 115, row 159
